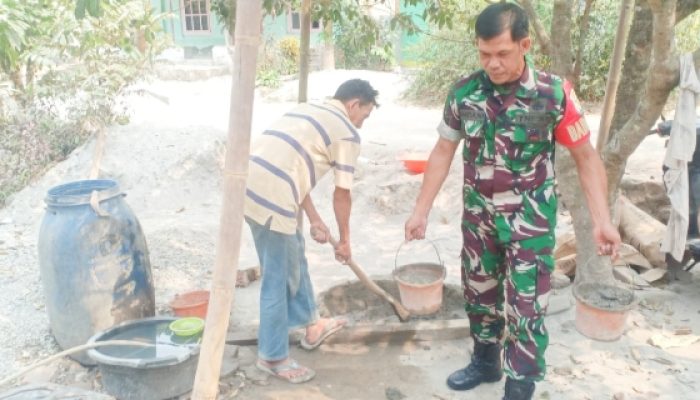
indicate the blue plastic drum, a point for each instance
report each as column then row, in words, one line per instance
column 93, row 261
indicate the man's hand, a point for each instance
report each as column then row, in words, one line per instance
column 342, row 252
column 608, row 240
column 319, row 231
column 415, row 227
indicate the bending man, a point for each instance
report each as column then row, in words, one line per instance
column 286, row 162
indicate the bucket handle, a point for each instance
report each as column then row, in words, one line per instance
column 396, row 257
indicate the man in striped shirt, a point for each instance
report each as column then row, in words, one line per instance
column 286, row 161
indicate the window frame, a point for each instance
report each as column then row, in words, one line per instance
column 290, row 25
column 183, row 19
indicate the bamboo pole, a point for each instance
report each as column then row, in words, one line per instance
column 247, row 37
column 305, row 46
column 614, row 73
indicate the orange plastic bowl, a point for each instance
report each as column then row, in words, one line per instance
column 415, row 166
column 191, row 304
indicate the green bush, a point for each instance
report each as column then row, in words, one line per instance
column 363, row 44
column 444, row 56
column 597, row 49
column 275, row 60
column 289, row 47
column 687, row 33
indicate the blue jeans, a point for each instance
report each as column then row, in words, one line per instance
column 281, row 308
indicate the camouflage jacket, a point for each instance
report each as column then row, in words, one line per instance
column 509, row 134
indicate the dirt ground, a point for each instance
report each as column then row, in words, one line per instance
column 168, row 161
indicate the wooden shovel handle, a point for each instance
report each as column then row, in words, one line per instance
column 401, row 311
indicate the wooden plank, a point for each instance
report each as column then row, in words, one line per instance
column 368, row 333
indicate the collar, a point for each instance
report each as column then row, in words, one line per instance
column 527, row 83
column 338, row 105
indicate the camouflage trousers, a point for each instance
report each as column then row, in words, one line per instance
column 498, row 272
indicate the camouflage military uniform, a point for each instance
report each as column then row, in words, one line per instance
column 510, row 204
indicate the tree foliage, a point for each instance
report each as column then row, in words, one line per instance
column 61, row 77
column 448, row 54
column 363, row 41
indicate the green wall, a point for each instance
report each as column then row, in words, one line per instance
column 173, row 26
column 273, row 27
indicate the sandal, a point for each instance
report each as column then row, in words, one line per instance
column 331, row 327
column 289, row 365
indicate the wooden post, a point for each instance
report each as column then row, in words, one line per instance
column 247, row 36
column 304, row 48
column 614, row 73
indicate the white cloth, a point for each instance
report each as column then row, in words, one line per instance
column 679, row 152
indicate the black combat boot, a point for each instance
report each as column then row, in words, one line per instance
column 519, row 390
column 484, row 367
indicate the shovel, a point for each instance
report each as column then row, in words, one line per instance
column 399, row 309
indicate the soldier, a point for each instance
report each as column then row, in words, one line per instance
column 510, row 115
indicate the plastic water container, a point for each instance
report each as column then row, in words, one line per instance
column 164, row 370
column 93, row 262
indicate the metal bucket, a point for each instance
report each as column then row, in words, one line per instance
column 420, row 284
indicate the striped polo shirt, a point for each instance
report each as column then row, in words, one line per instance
column 290, row 156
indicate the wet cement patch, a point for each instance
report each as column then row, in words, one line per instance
column 358, row 304
column 604, row 296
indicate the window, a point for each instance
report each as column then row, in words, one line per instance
column 294, row 22
column 196, row 16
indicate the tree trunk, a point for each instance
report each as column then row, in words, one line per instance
column 304, row 50
column 634, row 69
column 614, row 73
column 540, row 32
column 583, row 35
column 685, row 8
column 660, row 77
column 638, row 57
column 562, row 55
column 567, row 175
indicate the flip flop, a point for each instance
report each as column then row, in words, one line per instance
column 328, row 330
column 290, row 365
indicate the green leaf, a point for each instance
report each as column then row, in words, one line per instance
column 80, row 9
column 94, row 8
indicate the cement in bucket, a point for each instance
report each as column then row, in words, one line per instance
column 420, row 285
column 601, row 310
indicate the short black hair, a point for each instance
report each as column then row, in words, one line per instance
column 357, row 89
column 498, row 17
